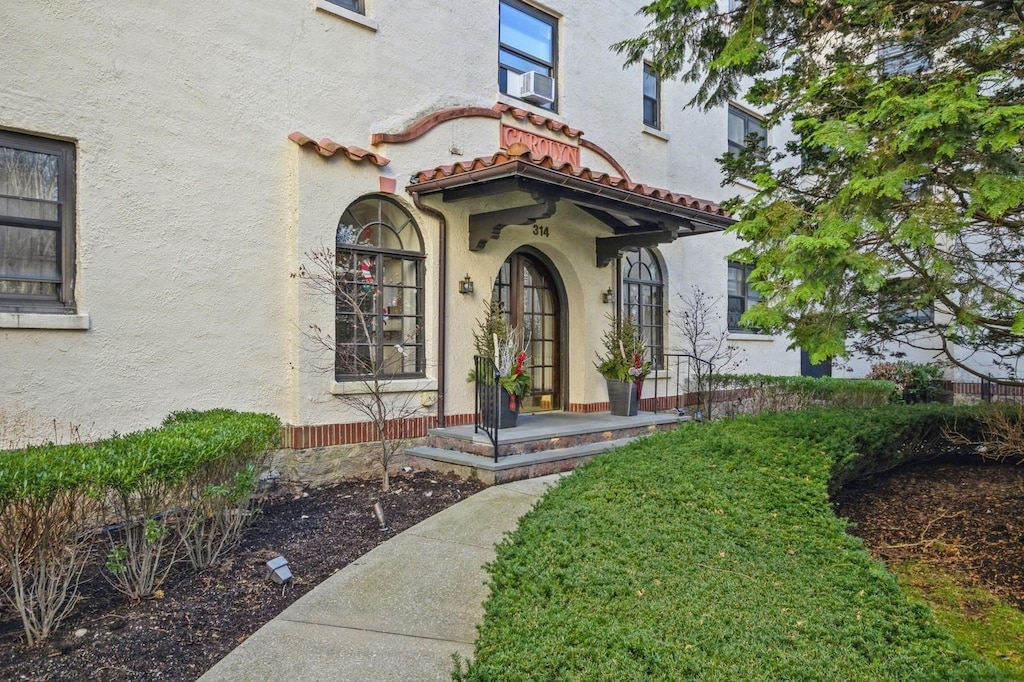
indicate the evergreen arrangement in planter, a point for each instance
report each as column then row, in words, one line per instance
column 622, row 365
column 506, row 348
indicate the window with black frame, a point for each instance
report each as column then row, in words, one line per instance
column 379, row 297
column 527, row 41
column 37, row 237
column 741, row 295
column 903, row 59
column 643, row 299
column 742, row 125
column 652, row 98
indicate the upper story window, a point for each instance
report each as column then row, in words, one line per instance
column 644, row 294
column 37, row 229
column 379, row 294
column 652, row 98
column 742, row 125
column 903, row 59
column 527, row 42
column 741, row 295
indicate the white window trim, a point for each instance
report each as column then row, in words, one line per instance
column 655, row 132
column 741, row 336
column 527, row 106
column 362, row 386
column 347, row 14
column 76, row 322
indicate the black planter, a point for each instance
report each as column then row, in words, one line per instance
column 622, row 398
column 508, row 416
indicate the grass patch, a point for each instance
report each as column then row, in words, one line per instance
column 974, row 616
column 712, row 553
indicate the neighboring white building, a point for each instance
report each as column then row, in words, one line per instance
column 171, row 165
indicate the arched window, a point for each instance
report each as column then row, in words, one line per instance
column 643, row 287
column 379, row 297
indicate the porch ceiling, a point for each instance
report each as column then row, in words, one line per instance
column 637, row 215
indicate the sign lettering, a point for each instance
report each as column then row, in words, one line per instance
column 540, row 146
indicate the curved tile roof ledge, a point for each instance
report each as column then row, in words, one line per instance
column 328, row 147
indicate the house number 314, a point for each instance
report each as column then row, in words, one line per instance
column 540, row 231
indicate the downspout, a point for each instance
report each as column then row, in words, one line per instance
column 442, row 301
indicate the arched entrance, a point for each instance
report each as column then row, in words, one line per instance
column 531, row 292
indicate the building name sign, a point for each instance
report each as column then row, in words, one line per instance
column 540, row 146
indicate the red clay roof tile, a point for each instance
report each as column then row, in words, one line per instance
column 517, row 155
column 328, row 147
column 538, row 120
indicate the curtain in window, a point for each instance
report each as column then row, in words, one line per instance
column 29, row 223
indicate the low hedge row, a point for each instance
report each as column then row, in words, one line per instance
column 757, row 393
column 713, row 553
column 186, row 484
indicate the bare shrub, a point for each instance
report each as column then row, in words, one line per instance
column 704, row 338
column 219, row 512
column 44, row 548
column 141, row 549
column 999, row 433
column 368, row 376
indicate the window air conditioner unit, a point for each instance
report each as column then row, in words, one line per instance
column 536, row 88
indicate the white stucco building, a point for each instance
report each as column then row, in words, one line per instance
column 171, row 166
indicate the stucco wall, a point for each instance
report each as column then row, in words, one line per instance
column 194, row 209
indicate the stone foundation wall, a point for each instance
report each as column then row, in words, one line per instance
column 322, row 466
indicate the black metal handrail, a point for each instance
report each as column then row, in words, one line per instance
column 675, row 360
column 487, row 396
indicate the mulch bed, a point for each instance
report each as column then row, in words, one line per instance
column 201, row 617
column 967, row 517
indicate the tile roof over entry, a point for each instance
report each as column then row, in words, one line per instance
column 637, row 215
column 518, row 160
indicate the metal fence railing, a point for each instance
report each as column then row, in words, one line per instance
column 683, row 369
column 487, row 400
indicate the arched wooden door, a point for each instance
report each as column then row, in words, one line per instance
column 531, row 294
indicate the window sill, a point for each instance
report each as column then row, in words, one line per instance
column 347, row 15
column 360, row 387
column 654, row 132
column 77, row 322
column 527, row 106
column 749, row 336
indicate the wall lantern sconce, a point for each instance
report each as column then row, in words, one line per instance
column 466, row 285
column 279, row 571
column 608, row 296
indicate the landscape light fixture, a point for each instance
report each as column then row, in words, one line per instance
column 608, row 296
column 378, row 511
column 279, row 571
column 466, row 285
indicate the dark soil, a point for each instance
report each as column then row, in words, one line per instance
column 966, row 518
column 201, row 617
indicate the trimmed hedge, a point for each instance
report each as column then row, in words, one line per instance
column 757, row 393
column 712, row 553
column 53, row 497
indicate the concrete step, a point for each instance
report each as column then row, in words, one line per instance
column 508, row 468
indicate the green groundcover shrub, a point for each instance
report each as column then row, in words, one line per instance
column 186, row 484
column 712, row 553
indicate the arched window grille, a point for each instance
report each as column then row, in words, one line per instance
column 644, row 294
column 379, row 295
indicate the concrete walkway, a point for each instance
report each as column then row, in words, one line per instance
column 398, row 612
